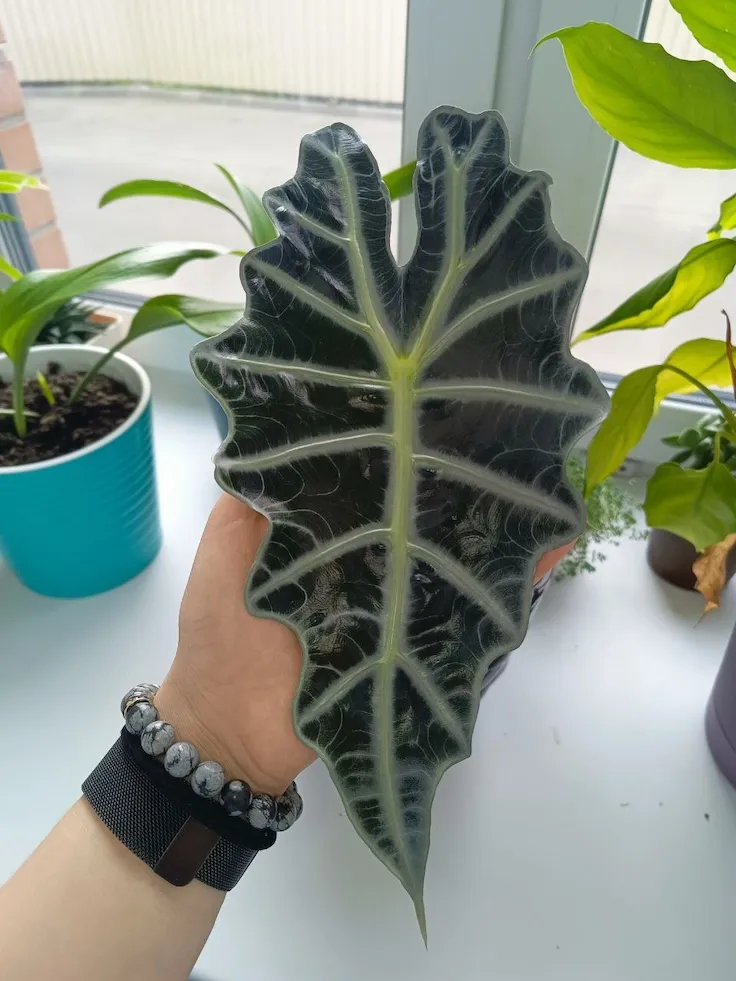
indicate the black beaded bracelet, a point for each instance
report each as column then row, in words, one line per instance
column 207, row 779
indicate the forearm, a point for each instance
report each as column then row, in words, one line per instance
column 83, row 907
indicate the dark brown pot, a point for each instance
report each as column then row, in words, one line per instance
column 672, row 557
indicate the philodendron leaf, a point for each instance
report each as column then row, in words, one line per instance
column 699, row 505
column 727, row 219
column 702, row 271
column 405, row 432
column 705, row 358
column 713, row 24
column 679, row 112
column 632, row 408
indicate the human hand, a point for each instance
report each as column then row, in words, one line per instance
column 231, row 686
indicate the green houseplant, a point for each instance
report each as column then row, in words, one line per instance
column 682, row 113
column 78, row 508
column 203, row 316
column 405, row 431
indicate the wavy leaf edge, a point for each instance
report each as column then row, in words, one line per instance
column 295, row 225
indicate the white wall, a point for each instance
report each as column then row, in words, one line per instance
column 339, row 49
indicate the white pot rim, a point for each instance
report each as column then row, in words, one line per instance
column 143, row 402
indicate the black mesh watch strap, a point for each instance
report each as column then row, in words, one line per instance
column 159, row 829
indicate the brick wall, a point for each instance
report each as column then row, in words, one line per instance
column 19, row 152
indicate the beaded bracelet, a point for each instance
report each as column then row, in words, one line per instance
column 207, row 779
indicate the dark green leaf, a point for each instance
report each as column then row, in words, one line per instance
column 206, row 317
column 405, row 432
column 679, row 112
column 166, row 189
column 727, row 219
column 703, row 270
column 261, row 227
column 699, row 505
column 400, row 181
column 713, row 24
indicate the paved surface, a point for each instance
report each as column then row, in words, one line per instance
column 89, row 142
column 652, row 216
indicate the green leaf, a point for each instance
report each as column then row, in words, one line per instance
column 206, row 317
column 26, row 304
column 679, row 112
column 632, row 407
column 727, row 220
column 713, row 24
column 405, row 431
column 166, row 189
column 400, row 182
column 261, row 227
column 11, row 272
column 43, row 384
column 703, row 270
column 705, row 358
column 699, row 505
column 4, row 216
column 11, row 182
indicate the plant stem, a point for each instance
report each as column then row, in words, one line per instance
column 19, row 415
column 82, row 384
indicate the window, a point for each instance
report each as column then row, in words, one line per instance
column 115, row 90
column 652, row 215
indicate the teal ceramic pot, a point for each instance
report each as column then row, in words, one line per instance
column 86, row 522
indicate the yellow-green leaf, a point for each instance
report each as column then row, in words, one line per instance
column 632, row 407
column 12, row 181
column 679, row 112
column 706, row 358
column 713, row 24
column 699, row 505
column 400, row 182
column 703, row 270
column 727, row 219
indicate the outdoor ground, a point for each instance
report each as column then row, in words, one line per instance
column 91, row 140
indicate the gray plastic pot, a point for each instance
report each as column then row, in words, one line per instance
column 720, row 716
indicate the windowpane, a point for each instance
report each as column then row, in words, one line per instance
column 205, row 81
column 652, row 215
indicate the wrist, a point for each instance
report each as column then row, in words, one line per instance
column 197, row 722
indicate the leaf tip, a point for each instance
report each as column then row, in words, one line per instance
column 547, row 37
column 421, row 914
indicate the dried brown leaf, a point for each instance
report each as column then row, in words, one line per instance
column 710, row 571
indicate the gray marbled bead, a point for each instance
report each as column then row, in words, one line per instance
column 262, row 812
column 181, row 759
column 208, row 779
column 157, row 737
column 288, row 808
column 139, row 716
column 146, row 691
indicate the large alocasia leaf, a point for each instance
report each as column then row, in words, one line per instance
column 405, row 431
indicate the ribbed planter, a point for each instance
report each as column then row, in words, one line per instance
column 720, row 716
column 88, row 521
